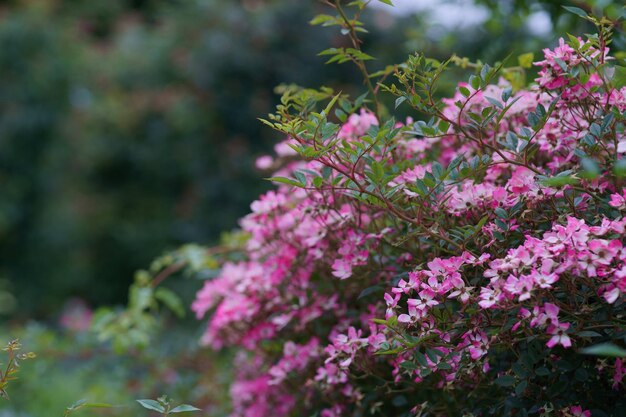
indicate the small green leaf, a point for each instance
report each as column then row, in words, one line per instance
column 170, row 300
column 577, row 11
column 433, row 354
column 619, row 169
column 505, row 381
column 300, row 177
column 318, row 181
column 332, row 103
column 495, row 102
column 561, row 64
column 474, row 81
column 370, row 290
column 605, row 349
column 588, row 333
column 506, row 93
column 482, row 222
column 184, row 408
column 399, row 101
column 521, row 387
column 77, row 404
column 558, row 182
column 283, row 180
column 591, row 169
column 151, row 405
column 322, row 19
column 619, row 77
column 500, row 212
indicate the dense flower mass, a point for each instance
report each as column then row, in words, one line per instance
column 406, row 267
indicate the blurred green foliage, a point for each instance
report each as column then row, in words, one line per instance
column 71, row 366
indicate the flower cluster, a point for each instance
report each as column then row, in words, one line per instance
column 401, row 266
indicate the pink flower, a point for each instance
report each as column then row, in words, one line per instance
column 577, row 411
column 342, row 268
column 559, row 336
column 618, row 201
column 264, row 162
column 488, row 298
column 477, row 343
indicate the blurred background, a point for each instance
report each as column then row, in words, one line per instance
column 129, row 127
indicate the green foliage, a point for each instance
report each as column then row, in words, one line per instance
column 70, row 366
column 9, row 373
column 80, row 404
column 163, row 405
column 134, row 326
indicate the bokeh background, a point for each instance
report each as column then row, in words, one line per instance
column 129, row 128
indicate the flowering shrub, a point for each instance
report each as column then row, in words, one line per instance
column 472, row 264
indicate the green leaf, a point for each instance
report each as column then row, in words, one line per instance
column 505, row 381
column 605, row 349
column 561, row 64
column 283, row 180
column 98, row 405
column 443, row 365
column 619, row 169
column 329, row 51
column 394, row 351
column 378, row 171
column 577, row 11
column 386, row 2
column 184, row 408
column 495, row 102
column 332, row 103
column 619, row 77
column 588, row 333
column 370, row 290
column 506, row 94
column 437, row 170
column 433, row 354
column 300, row 177
column 318, row 181
column 399, row 101
column 591, row 169
column 500, row 212
column 558, row 182
column 322, row 19
column 533, row 119
column 474, row 81
column 482, row 222
column 151, row 405
column 77, row 404
column 171, row 300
